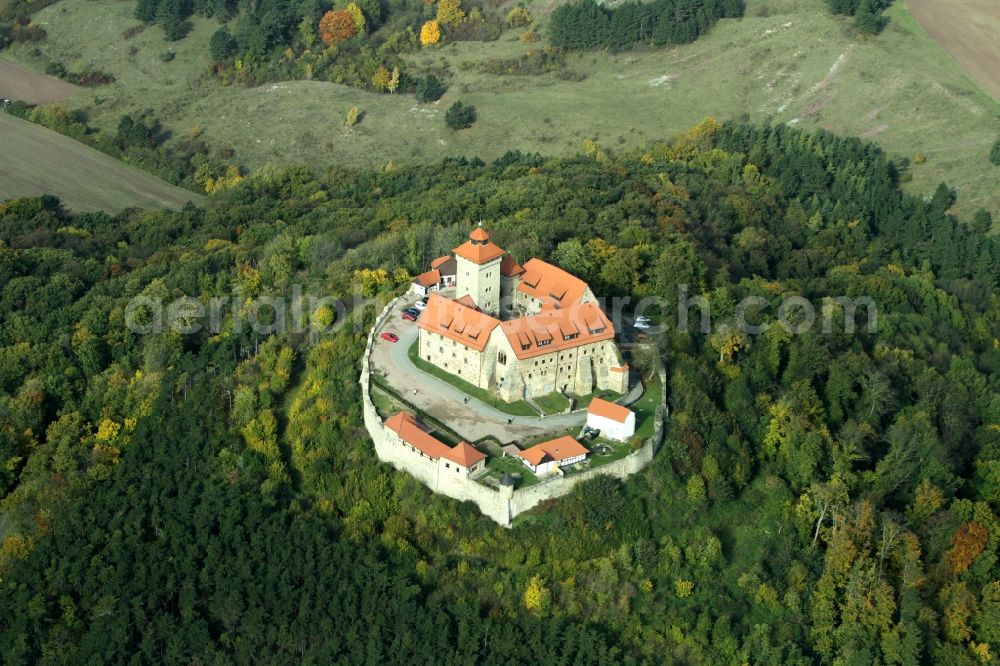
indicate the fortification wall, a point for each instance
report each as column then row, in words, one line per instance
column 499, row 505
column 494, row 504
column 525, row 499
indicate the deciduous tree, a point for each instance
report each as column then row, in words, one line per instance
column 336, row 26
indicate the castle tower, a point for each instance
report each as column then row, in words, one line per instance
column 477, row 272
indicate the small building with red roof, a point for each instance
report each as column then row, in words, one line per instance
column 614, row 421
column 547, row 457
column 407, row 432
column 440, row 276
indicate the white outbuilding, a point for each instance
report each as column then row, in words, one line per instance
column 614, row 421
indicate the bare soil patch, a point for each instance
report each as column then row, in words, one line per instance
column 968, row 30
column 27, row 85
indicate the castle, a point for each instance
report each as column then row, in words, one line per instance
column 518, row 331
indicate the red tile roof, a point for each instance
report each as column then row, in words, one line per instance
column 558, row 329
column 445, row 264
column 465, row 454
column 608, row 410
column 558, row 450
column 467, row 301
column 551, row 284
column 509, row 267
column 428, row 279
column 479, row 249
column 456, row 321
column 412, row 432
column 479, row 254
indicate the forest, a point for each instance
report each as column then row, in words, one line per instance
column 586, row 24
column 357, row 43
column 822, row 497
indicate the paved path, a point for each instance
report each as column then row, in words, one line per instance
column 447, row 403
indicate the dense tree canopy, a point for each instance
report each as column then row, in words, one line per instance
column 821, row 497
column 586, row 24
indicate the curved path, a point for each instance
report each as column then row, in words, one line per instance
column 472, row 420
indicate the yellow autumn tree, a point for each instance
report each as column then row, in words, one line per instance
column 381, row 78
column 371, row 280
column 450, row 12
column 430, row 33
column 356, row 15
column 108, row 430
column 536, row 595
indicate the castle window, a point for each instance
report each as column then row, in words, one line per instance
column 502, row 358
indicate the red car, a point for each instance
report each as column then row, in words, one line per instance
column 409, row 316
column 390, row 337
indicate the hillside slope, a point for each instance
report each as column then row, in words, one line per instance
column 38, row 161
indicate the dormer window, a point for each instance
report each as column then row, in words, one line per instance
column 543, row 343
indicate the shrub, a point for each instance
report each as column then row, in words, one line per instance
column 167, row 55
column 222, row 45
column 995, row 153
column 518, row 17
column 430, row 89
column 460, row 116
column 353, row 116
column 919, row 158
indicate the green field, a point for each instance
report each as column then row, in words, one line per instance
column 786, row 61
column 35, row 160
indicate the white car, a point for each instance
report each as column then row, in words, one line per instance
column 641, row 325
column 642, row 319
column 420, row 305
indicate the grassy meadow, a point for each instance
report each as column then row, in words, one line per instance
column 785, row 61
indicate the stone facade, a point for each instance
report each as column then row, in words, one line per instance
column 479, row 282
column 555, row 337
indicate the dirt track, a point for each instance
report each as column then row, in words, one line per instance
column 970, row 31
column 27, row 85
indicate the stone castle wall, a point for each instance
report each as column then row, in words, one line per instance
column 499, row 505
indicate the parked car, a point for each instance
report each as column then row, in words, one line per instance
column 641, row 325
column 420, row 305
column 390, row 337
column 409, row 316
column 642, row 319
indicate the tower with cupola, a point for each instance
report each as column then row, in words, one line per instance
column 477, row 272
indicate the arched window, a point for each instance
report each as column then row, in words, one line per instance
column 502, row 358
